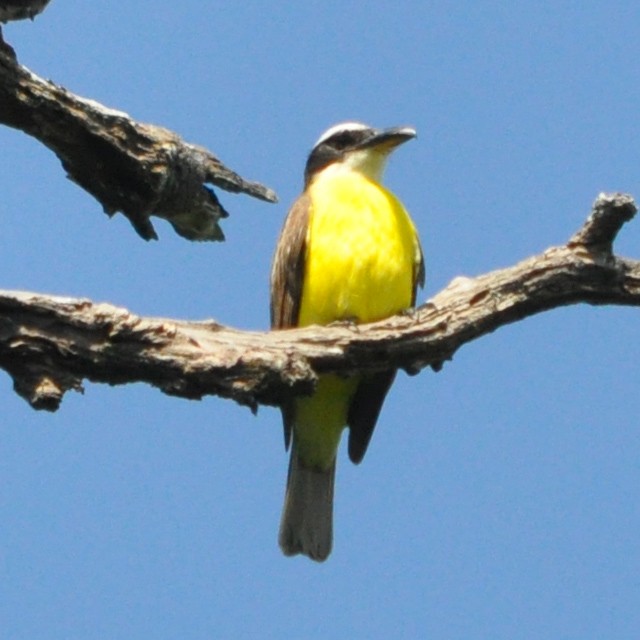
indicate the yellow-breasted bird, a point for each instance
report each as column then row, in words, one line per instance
column 348, row 251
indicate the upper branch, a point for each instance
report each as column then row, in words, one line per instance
column 49, row 345
column 139, row 169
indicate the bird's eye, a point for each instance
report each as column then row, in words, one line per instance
column 342, row 141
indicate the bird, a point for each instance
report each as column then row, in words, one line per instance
column 348, row 251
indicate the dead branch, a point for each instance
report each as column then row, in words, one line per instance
column 138, row 169
column 50, row 344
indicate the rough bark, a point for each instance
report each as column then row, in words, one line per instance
column 141, row 170
column 50, row 344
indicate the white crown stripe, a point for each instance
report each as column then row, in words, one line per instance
column 338, row 128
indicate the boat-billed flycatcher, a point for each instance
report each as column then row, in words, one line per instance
column 348, row 251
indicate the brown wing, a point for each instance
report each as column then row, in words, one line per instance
column 287, row 276
column 287, row 271
column 372, row 390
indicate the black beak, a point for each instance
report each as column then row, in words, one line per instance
column 387, row 139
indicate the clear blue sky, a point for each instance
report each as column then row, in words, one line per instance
column 500, row 498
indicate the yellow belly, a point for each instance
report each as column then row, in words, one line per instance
column 361, row 252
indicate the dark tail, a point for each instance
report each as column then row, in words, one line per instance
column 307, row 518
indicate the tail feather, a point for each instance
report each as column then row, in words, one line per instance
column 307, row 518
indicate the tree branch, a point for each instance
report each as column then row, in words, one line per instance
column 139, row 169
column 50, row 344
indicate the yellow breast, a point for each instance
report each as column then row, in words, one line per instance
column 361, row 251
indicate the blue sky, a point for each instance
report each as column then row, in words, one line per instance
column 500, row 497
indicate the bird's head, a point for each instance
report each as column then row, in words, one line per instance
column 357, row 147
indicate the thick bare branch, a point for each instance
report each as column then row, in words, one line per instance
column 139, row 169
column 49, row 345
